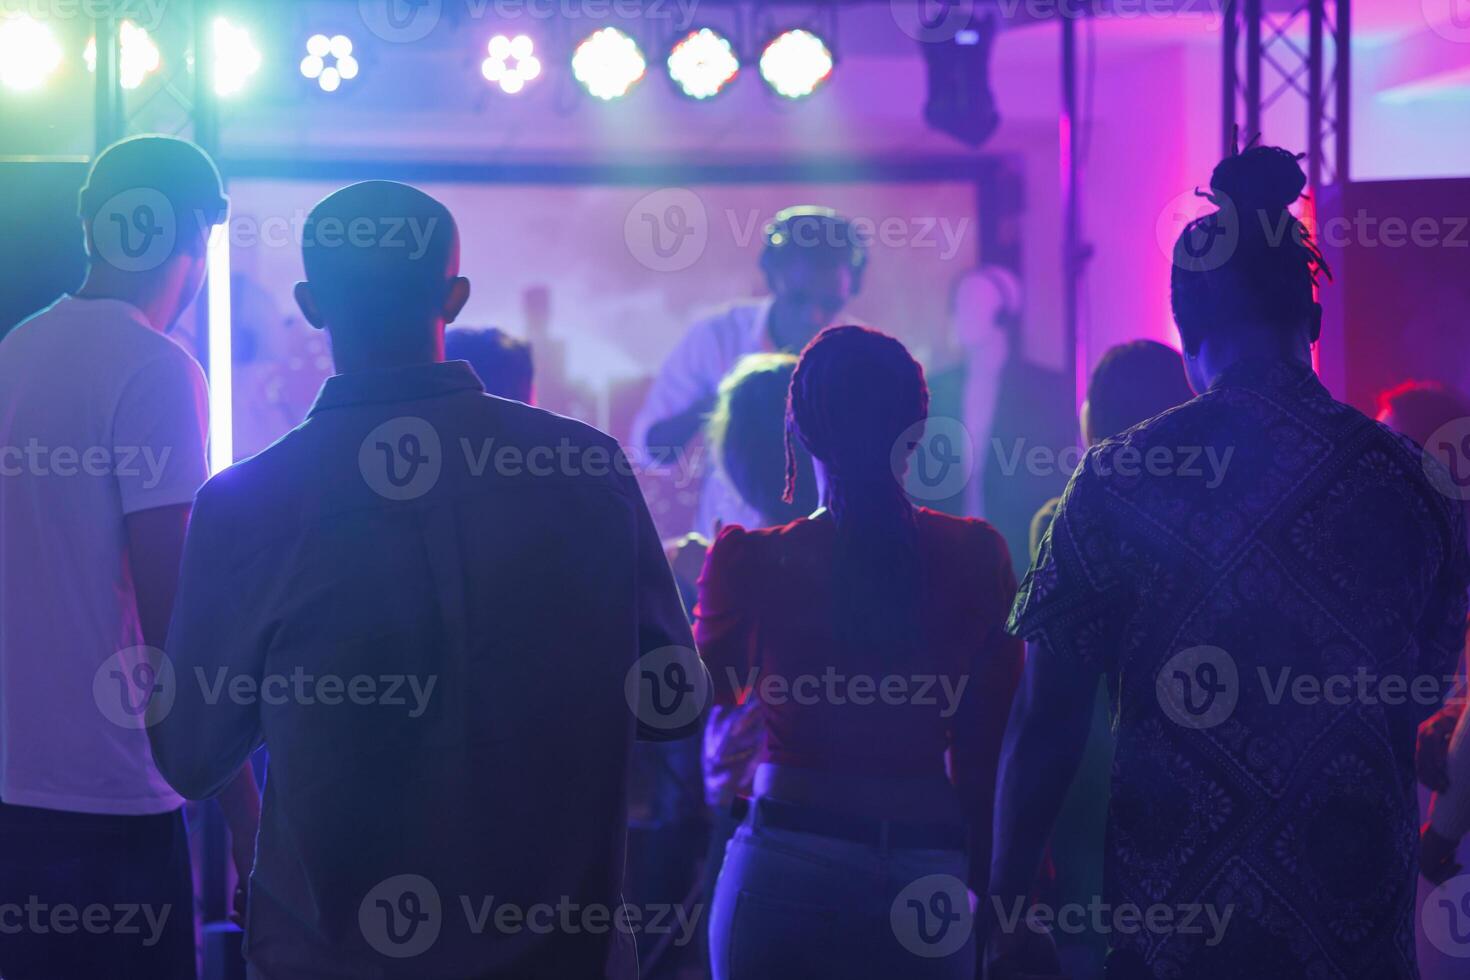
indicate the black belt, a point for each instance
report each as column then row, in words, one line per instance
column 890, row 834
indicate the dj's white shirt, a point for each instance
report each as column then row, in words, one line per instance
column 692, row 374
column 101, row 416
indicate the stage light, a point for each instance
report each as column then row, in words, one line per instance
column 28, row 53
column 512, row 62
column 702, row 64
column 221, row 349
column 236, row 58
column 608, row 63
column 329, row 61
column 139, row 56
column 795, row 63
column 960, row 100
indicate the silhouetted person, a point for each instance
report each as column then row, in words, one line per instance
column 1131, row 383
column 1436, row 417
column 870, row 637
column 427, row 603
column 502, row 362
column 813, row 260
column 1010, row 405
column 103, row 422
column 1233, row 607
column 747, row 432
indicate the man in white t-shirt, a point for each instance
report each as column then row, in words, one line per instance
column 103, row 421
column 813, row 260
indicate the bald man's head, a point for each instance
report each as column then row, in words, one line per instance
column 382, row 270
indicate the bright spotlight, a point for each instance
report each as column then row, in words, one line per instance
column 512, row 62
column 796, row 63
column 608, row 63
column 139, row 57
column 236, row 58
column 702, row 64
column 28, row 53
column 329, row 61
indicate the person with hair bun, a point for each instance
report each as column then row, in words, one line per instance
column 1259, row 575
column 870, row 637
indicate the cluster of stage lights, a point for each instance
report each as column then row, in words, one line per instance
column 608, row 63
column 329, row 61
column 30, row 54
column 702, row 63
column 511, row 62
column 137, row 55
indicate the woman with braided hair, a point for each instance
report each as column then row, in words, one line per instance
column 870, row 636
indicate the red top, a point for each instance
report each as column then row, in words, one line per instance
column 763, row 626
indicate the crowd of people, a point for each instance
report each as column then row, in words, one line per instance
column 933, row 744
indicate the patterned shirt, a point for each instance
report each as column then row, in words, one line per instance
column 1276, row 594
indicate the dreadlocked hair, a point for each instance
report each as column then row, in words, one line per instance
column 1251, row 260
column 854, row 395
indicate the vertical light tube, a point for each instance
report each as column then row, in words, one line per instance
column 221, row 361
